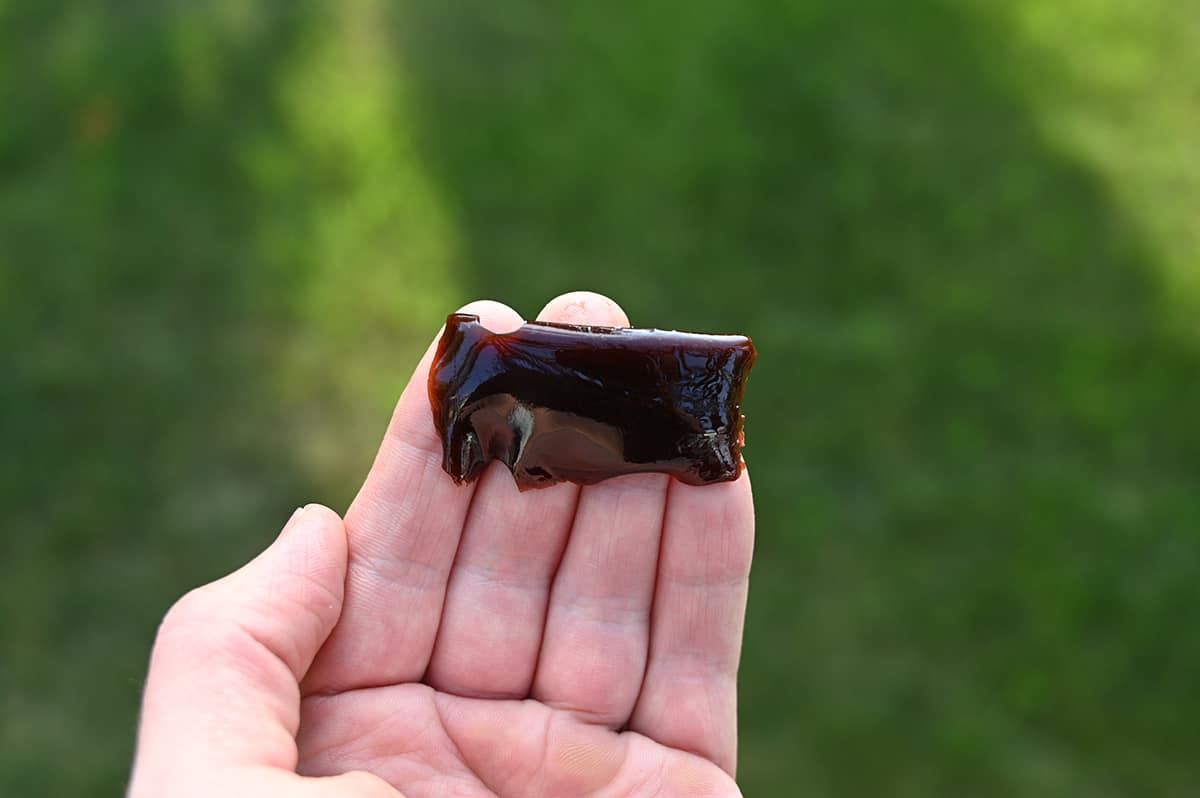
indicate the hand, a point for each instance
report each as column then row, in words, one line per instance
column 464, row 640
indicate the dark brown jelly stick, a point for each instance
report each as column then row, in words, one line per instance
column 564, row 402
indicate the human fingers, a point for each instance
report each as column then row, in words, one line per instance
column 491, row 628
column 689, row 695
column 403, row 530
column 593, row 653
column 223, row 687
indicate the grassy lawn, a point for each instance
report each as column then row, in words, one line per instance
column 963, row 235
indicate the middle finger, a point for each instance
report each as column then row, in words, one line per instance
column 511, row 545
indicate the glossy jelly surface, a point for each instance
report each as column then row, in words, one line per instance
column 563, row 402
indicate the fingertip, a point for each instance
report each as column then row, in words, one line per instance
column 319, row 514
column 314, row 534
column 496, row 316
column 292, row 518
column 584, row 307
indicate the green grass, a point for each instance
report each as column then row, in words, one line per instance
column 962, row 234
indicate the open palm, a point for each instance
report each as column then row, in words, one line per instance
column 479, row 641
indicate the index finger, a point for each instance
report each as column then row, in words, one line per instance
column 403, row 530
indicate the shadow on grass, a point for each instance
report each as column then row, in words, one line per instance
column 973, row 439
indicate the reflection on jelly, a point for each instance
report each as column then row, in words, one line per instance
column 564, row 402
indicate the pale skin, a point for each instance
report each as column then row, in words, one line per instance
column 448, row 640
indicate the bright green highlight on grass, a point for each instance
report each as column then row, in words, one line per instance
column 962, row 233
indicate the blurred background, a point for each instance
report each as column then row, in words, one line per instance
column 963, row 235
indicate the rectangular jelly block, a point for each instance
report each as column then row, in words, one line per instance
column 562, row 402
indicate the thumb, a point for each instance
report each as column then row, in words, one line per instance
column 223, row 686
